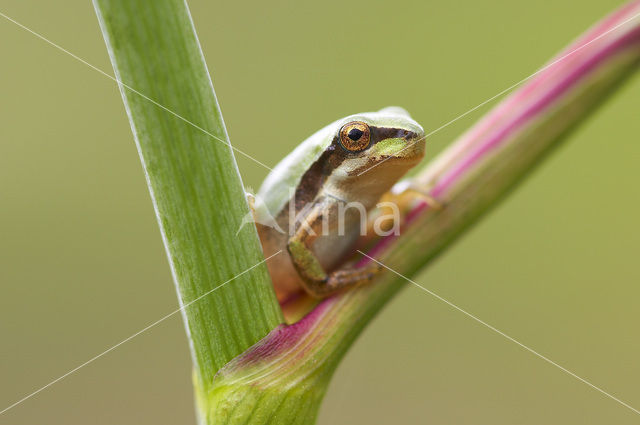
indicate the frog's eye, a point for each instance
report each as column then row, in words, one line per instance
column 355, row 136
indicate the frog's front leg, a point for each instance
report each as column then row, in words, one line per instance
column 317, row 282
column 408, row 191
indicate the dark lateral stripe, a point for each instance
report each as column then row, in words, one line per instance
column 382, row 133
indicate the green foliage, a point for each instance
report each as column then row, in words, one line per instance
column 192, row 176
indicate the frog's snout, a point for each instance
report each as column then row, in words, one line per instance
column 415, row 146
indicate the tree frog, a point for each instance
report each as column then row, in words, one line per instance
column 300, row 207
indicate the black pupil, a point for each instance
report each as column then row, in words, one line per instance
column 355, row 134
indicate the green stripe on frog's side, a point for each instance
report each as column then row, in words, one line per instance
column 332, row 166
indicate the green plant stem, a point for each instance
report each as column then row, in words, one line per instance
column 193, row 178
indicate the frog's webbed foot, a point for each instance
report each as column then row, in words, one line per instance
column 338, row 280
column 258, row 213
column 410, row 190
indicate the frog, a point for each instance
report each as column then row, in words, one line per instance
column 310, row 207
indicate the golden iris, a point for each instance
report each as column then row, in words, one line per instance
column 355, row 136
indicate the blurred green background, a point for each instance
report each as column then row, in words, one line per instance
column 82, row 264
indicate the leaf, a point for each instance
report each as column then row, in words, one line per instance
column 193, row 179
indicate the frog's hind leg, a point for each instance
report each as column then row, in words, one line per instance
column 350, row 277
column 316, row 281
column 339, row 280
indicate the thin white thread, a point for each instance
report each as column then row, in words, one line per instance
column 266, row 166
column 449, row 303
column 133, row 336
column 507, row 90
column 111, row 77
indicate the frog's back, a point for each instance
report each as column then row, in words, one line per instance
column 279, row 185
column 274, row 194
